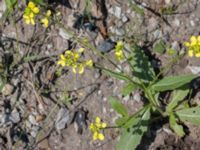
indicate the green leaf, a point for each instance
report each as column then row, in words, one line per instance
column 136, row 8
column 130, row 87
column 121, row 121
column 159, row 47
column 39, row 2
column 178, row 129
column 189, row 115
column 132, row 136
column 172, row 82
column 171, row 51
column 10, row 4
column 177, row 96
column 2, row 83
column 142, row 68
column 117, row 106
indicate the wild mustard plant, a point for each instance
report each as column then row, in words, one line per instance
column 96, row 127
column 45, row 20
column 119, row 51
column 73, row 59
column 193, row 46
column 30, row 12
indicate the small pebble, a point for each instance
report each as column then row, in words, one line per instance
column 7, row 89
column 106, row 46
column 32, row 120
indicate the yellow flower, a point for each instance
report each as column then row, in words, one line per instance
column 62, row 60
column 30, row 12
column 73, row 59
column 45, row 20
column 89, row 63
column 190, row 53
column 48, row 14
column 193, row 46
column 119, row 50
column 81, row 50
column 96, row 127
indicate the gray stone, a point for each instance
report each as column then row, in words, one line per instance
column 124, row 18
column 157, row 33
column 105, row 46
column 176, row 22
column 119, row 31
column 194, row 69
column 175, row 45
column 15, row 116
column 136, row 96
column 32, row 120
column 62, row 119
column 116, row 11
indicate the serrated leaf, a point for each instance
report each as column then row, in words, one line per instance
column 142, row 68
column 130, row 87
column 189, row 115
column 178, row 129
column 132, row 136
column 172, row 82
column 117, row 106
column 177, row 96
column 159, row 47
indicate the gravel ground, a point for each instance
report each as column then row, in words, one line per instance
column 39, row 108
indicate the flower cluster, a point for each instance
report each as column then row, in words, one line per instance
column 96, row 127
column 119, row 51
column 193, row 46
column 72, row 59
column 45, row 20
column 30, row 12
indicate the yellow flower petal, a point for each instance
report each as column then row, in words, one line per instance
column 193, row 40
column 68, row 52
column 103, row 125
column 97, row 120
column 36, row 10
column 27, row 21
column 187, row 44
column 197, row 54
column 91, row 126
column 25, row 16
column 31, row 5
column 89, row 63
column 100, row 136
column 198, row 39
column 31, row 15
column 81, row 69
column 74, row 69
column 81, row 50
column 190, row 53
column 61, row 62
column 45, row 22
column 62, row 57
column 48, row 14
column 32, row 21
column 95, row 136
